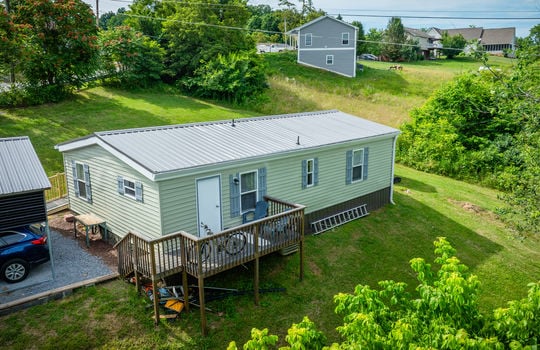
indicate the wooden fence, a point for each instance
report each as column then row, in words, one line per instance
column 58, row 187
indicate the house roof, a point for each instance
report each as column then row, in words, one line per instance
column 499, row 36
column 20, row 168
column 159, row 152
column 417, row 33
column 297, row 29
column 467, row 33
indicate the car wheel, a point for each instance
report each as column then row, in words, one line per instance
column 15, row 270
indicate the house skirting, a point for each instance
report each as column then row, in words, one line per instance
column 374, row 200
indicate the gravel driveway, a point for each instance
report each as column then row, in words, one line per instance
column 71, row 264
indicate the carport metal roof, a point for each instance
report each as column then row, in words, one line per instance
column 20, row 168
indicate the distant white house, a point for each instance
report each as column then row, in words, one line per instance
column 493, row 40
column 429, row 44
column 327, row 43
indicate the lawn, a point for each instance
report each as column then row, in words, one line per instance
column 365, row 251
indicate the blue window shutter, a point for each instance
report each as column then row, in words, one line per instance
column 262, row 183
column 75, row 183
column 304, row 173
column 138, row 191
column 348, row 170
column 315, row 171
column 234, row 190
column 120, row 181
column 365, row 168
column 87, row 181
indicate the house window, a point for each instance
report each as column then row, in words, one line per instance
column 130, row 188
column 310, row 172
column 329, row 60
column 248, row 191
column 81, row 180
column 345, row 38
column 81, row 184
column 308, row 39
column 357, row 164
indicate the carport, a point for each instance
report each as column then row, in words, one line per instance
column 23, row 182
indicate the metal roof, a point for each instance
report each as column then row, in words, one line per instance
column 318, row 19
column 173, row 148
column 20, row 168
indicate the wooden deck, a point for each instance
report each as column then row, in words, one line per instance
column 182, row 252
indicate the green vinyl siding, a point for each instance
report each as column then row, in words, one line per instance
column 122, row 213
column 171, row 205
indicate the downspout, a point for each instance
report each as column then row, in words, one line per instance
column 393, row 168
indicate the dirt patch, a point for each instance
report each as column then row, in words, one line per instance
column 98, row 247
column 473, row 208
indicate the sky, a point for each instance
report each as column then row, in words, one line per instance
column 413, row 13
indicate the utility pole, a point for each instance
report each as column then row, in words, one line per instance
column 12, row 64
column 97, row 13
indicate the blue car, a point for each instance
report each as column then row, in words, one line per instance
column 20, row 249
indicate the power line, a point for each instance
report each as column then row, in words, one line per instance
column 439, row 17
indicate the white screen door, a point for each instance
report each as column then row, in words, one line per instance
column 209, row 204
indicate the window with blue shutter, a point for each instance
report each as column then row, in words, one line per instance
column 357, row 165
column 130, row 188
column 81, row 181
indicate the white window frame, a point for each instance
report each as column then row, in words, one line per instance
column 308, row 39
column 345, row 38
column 310, row 174
column 81, row 181
column 254, row 190
column 129, row 191
column 329, row 60
column 357, row 165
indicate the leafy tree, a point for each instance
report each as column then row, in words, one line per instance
column 360, row 39
column 394, row 37
column 453, row 45
column 373, row 39
column 130, row 59
column 522, row 97
column 198, row 33
column 58, row 41
column 110, row 19
column 9, row 43
column 235, row 77
column 264, row 23
column 442, row 313
column 146, row 16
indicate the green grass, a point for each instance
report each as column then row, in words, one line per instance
column 365, row 251
column 100, row 109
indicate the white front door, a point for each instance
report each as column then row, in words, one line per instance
column 209, row 204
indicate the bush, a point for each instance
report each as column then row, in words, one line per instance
column 30, row 95
column 234, row 77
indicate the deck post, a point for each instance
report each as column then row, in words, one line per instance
column 202, row 305
column 185, row 286
column 154, row 284
column 200, row 276
column 256, row 277
column 302, row 218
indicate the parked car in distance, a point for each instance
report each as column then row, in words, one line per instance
column 369, row 57
column 20, row 249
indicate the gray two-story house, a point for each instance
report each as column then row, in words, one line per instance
column 327, row 43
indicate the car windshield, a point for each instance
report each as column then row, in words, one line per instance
column 36, row 228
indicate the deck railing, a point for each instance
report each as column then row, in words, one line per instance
column 58, row 187
column 217, row 252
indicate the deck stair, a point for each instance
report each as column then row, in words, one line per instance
column 340, row 218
